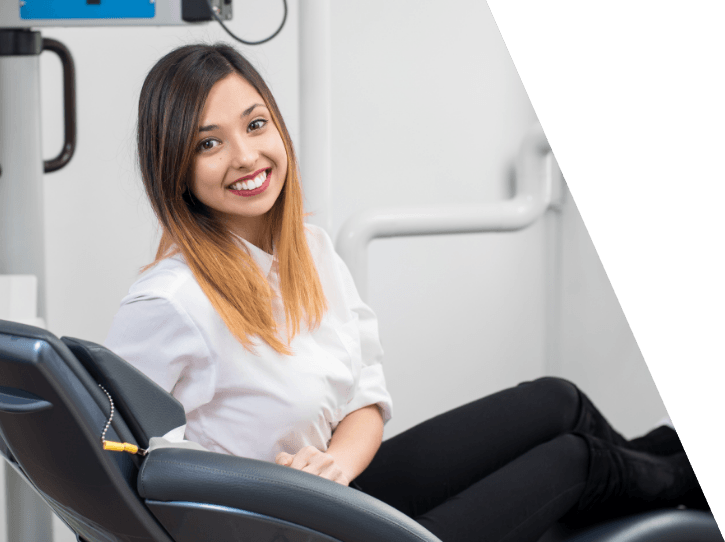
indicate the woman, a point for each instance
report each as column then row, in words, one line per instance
column 249, row 318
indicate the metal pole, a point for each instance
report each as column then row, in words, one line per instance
column 316, row 110
column 29, row 518
column 22, row 246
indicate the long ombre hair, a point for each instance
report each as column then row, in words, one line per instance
column 170, row 107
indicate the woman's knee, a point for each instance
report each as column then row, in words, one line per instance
column 563, row 395
column 569, row 449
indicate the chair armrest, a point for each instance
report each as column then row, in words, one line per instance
column 175, row 474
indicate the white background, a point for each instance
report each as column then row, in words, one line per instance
column 428, row 109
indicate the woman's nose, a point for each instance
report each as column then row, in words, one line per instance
column 244, row 155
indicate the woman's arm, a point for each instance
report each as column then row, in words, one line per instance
column 352, row 447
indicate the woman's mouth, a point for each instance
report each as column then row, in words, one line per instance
column 257, row 184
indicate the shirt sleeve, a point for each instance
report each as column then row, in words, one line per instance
column 158, row 337
column 371, row 388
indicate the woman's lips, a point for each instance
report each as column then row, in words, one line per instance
column 255, row 191
column 251, row 175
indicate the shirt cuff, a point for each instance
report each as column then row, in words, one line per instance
column 371, row 390
column 174, row 439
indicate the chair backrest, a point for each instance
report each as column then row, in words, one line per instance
column 52, row 414
column 145, row 407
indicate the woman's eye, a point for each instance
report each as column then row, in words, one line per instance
column 207, row 144
column 256, row 125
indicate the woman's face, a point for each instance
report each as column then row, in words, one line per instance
column 241, row 163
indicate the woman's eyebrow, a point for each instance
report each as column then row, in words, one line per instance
column 249, row 109
column 246, row 112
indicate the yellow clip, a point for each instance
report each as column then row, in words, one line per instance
column 120, row 447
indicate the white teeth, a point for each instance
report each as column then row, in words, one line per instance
column 259, row 179
column 252, row 183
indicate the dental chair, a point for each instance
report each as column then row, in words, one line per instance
column 53, row 413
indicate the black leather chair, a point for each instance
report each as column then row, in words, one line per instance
column 52, row 414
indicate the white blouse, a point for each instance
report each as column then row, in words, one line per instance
column 251, row 405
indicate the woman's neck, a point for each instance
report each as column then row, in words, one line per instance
column 253, row 230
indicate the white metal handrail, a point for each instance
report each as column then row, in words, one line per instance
column 533, row 197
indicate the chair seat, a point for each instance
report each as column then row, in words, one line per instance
column 670, row 525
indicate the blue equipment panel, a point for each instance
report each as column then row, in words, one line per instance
column 87, row 9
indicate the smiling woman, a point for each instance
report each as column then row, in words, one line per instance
column 207, row 121
column 253, row 322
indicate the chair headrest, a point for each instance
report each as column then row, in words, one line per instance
column 16, row 329
column 146, row 407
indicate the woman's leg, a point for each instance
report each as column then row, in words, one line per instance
column 441, row 457
column 501, row 455
column 518, row 502
column 621, row 480
column 660, row 441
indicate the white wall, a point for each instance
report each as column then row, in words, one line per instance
column 597, row 348
column 427, row 109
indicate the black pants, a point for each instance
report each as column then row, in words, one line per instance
column 503, row 468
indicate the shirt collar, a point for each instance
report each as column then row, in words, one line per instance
column 263, row 260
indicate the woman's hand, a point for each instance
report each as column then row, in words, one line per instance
column 310, row 459
column 352, row 447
